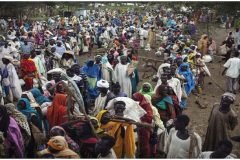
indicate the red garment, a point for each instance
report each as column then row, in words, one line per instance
column 28, row 71
column 146, row 106
column 144, row 133
column 57, row 111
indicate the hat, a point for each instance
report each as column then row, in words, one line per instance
column 229, row 95
column 103, row 84
column 8, row 58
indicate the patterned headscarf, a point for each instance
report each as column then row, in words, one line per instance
column 19, row 117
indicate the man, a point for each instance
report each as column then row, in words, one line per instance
column 181, row 143
column 38, row 64
column 123, row 77
column 232, row 70
column 221, row 121
column 103, row 98
column 172, row 82
column 122, row 132
column 116, row 90
column 223, row 150
column 103, row 148
column 10, row 76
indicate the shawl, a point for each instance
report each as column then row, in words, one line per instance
column 15, row 139
column 91, row 71
column 150, row 93
column 114, row 129
column 148, row 117
column 39, row 97
column 188, row 76
column 27, row 66
column 19, row 117
column 57, row 111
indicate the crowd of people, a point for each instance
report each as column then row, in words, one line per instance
column 112, row 116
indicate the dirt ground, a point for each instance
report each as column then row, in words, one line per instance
column 211, row 93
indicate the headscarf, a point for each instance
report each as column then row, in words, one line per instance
column 188, row 76
column 39, row 97
column 59, row 143
column 57, row 111
column 150, row 93
column 28, row 111
column 19, row 117
column 33, row 102
column 99, row 116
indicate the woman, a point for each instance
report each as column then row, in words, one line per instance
column 28, row 71
column 58, row 148
column 21, row 121
column 147, row 89
column 57, row 111
column 59, row 131
column 144, row 133
column 163, row 102
column 203, row 45
column 92, row 72
column 31, row 114
column 39, row 97
column 187, row 77
column 13, row 140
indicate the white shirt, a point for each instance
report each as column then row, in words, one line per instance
column 233, row 67
column 206, row 155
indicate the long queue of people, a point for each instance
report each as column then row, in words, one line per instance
column 114, row 119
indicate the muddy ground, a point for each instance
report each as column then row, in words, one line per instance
column 211, row 93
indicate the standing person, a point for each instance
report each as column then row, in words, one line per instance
column 13, row 140
column 237, row 38
column 28, row 71
column 122, row 132
column 91, row 70
column 222, row 120
column 151, row 37
column 186, row 75
column 232, row 70
column 212, row 48
column 163, row 102
column 229, row 44
column 121, row 74
column 38, row 63
column 223, row 150
column 203, row 44
column 144, row 133
column 103, row 98
column 181, row 142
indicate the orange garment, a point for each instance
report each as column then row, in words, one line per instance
column 57, row 111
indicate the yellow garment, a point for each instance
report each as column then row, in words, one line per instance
column 114, row 129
